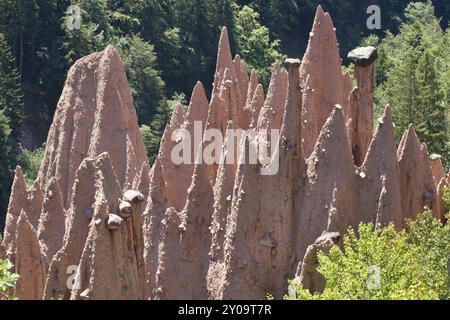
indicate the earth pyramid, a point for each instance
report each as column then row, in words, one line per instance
column 100, row 223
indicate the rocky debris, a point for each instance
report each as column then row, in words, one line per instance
column 417, row 185
column 307, row 275
column 443, row 209
column 29, row 262
column 363, row 56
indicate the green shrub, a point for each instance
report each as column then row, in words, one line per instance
column 30, row 161
column 412, row 264
column 447, row 197
column 8, row 279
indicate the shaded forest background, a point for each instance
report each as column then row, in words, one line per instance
column 169, row 45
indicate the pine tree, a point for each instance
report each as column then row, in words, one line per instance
column 5, row 164
column 145, row 81
column 413, row 77
column 432, row 128
column 10, row 92
column 254, row 43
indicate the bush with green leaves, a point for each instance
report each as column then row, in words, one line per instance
column 447, row 197
column 254, row 43
column 8, row 279
column 30, row 161
column 413, row 263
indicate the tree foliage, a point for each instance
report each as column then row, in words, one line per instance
column 10, row 118
column 254, row 43
column 145, row 80
column 30, row 161
column 8, row 279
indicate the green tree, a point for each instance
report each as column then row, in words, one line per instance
column 413, row 74
column 145, row 80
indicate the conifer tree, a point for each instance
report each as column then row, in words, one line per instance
column 10, row 92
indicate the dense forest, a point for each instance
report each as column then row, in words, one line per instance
column 169, row 45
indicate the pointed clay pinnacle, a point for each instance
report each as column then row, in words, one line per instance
column 198, row 107
column 224, row 60
column 253, row 84
column 51, row 225
column 110, row 53
column 385, row 125
column 29, row 263
column 387, row 116
column 177, row 118
column 409, row 140
column 334, row 127
column 114, row 221
column 321, row 19
column 19, row 183
column 23, row 224
column 382, row 140
column 319, row 11
column 254, row 78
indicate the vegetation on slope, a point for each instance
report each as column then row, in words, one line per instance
column 8, row 279
column 412, row 264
